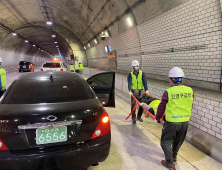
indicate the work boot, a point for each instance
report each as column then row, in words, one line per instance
column 140, row 119
column 134, row 121
column 174, row 158
column 170, row 167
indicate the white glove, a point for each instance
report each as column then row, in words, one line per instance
column 147, row 92
column 130, row 93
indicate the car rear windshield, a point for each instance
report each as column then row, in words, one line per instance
column 52, row 65
column 48, row 91
column 23, row 63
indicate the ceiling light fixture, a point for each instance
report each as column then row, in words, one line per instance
column 107, row 35
column 129, row 21
column 26, row 41
column 56, row 42
column 49, row 22
column 96, row 41
column 14, row 34
column 53, row 36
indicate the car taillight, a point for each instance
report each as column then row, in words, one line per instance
column 29, row 66
column 61, row 69
column 18, row 66
column 41, row 69
column 2, row 146
column 103, row 128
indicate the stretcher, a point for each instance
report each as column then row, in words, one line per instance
column 147, row 112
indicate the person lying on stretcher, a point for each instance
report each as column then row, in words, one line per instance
column 147, row 102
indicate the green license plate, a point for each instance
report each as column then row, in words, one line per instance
column 51, row 135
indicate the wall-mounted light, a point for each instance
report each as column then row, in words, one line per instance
column 106, row 49
column 14, row 34
column 129, row 21
column 95, row 41
column 53, row 36
column 89, row 45
column 110, row 48
column 85, row 47
column 107, row 34
column 49, row 22
column 26, row 41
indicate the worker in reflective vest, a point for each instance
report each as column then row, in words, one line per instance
column 71, row 68
column 80, row 67
column 136, row 80
column 77, row 67
column 177, row 104
column 2, row 78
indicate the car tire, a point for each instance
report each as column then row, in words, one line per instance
column 20, row 70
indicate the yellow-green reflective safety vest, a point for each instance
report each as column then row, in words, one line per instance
column 137, row 83
column 80, row 66
column 77, row 66
column 71, row 67
column 3, row 79
column 154, row 104
column 179, row 106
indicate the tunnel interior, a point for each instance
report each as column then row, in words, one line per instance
column 160, row 34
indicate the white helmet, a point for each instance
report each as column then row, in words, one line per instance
column 0, row 59
column 176, row 72
column 135, row 63
column 80, row 62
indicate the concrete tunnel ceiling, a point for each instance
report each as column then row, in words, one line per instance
column 75, row 22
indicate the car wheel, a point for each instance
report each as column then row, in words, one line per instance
column 20, row 70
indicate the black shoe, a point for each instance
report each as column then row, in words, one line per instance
column 134, row 121
column 140, row 119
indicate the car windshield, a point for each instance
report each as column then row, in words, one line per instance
column 52, row 65
column 48, row 91
column 22, row 62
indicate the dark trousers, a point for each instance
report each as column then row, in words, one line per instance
column 2, row 92
column 173, row 135
column 133, row 103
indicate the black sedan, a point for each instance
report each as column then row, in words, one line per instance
column 55, row 120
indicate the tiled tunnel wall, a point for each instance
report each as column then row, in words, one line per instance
column 206, row 113
column 188, row 36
